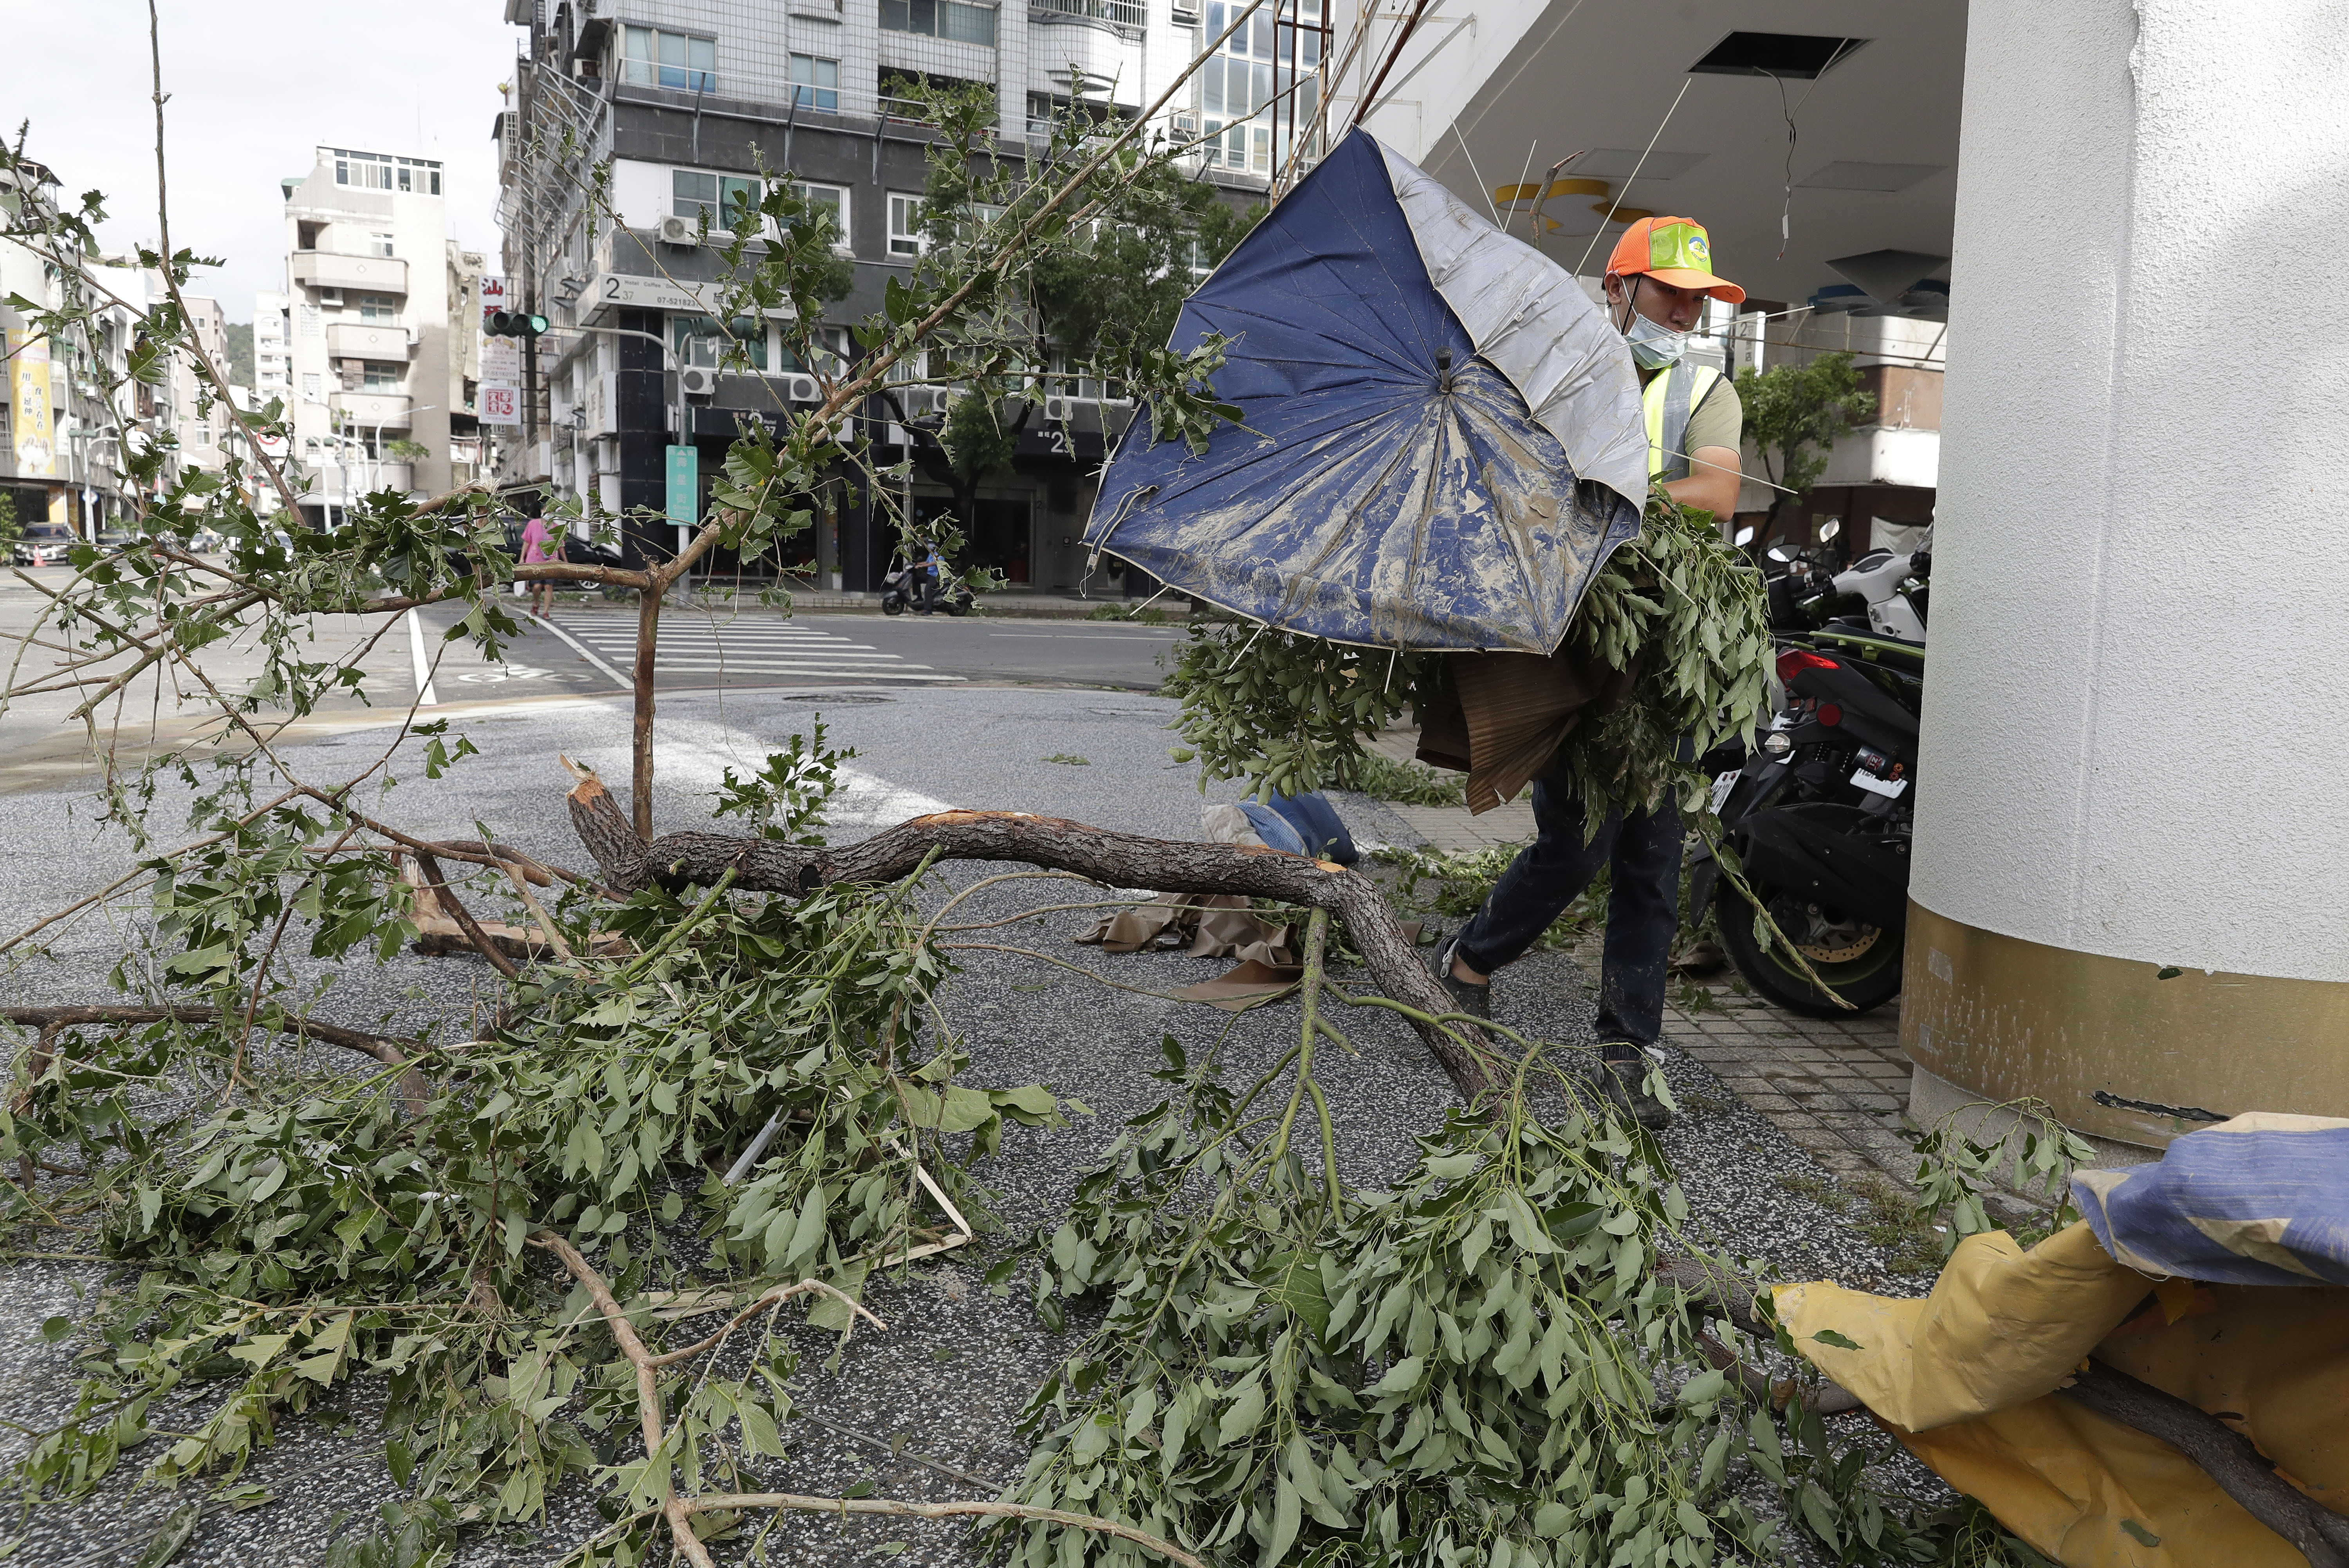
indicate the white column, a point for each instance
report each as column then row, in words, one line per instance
column 2135, row 748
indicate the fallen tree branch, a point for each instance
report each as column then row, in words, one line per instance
column 1113, row 859
column 446, row 897
column 1716, row 1292
column 679, row 1511
column 382, row 1049
column 2226, row 1456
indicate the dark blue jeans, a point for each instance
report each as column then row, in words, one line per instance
column 1642, row 905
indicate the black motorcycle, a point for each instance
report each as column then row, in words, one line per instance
column 1819, row 813
column 900, row 587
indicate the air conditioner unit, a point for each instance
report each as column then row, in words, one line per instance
column 1082, row 415
column 674, row 230
column 803, row 390
column 919, row 401
column 697, row 382
column 333, row 296
column 1186, row 125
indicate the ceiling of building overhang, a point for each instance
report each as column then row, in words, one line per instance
column 1873, row 159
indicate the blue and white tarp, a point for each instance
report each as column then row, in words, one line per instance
column 2262, row 1199
column 1441, row 437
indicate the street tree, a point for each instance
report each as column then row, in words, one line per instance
column 1795, row 412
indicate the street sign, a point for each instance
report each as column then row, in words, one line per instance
column 683, row 485
column 498, row 405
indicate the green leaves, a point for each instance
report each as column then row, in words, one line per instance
column 1284, row 709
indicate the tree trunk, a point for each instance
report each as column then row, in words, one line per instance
column 1114, row 859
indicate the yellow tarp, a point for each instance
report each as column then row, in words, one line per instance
column 1965, row 1378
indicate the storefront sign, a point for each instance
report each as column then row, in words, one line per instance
column 498, row 405
column 626, row 291
column 33, row 393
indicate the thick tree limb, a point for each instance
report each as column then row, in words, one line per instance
column 1716, row 1292
column 1115, row 859
column 2230, row 1458
column 447, row 898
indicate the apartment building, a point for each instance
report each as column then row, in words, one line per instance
column 201, row 424
column 273, row 346
column 60, row 436
column 686, row 101
column 366, row 265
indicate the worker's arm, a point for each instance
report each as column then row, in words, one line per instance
column 1711, row 483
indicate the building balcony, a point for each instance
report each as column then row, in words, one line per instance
column 330, row 269
column 368, row 340
column 1121, row 12
column 388, row 410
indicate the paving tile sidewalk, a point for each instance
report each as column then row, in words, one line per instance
column 1839, row 1087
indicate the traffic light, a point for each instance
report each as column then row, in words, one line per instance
column 512, row 324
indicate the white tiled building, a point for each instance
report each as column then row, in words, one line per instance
column 366, row 241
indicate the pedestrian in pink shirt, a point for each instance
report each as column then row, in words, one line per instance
column 537, row 547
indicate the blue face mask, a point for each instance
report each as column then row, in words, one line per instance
column 1654, row 344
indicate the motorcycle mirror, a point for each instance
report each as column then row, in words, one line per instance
column 1744, row 536
column 1829, row 529
column 1778, row 553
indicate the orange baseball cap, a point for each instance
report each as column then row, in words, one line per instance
column 1675, row 251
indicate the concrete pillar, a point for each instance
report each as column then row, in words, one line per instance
column 2135, row 748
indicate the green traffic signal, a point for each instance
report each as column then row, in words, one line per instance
column 513, row 324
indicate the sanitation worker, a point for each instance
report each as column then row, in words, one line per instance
column 1657, row 283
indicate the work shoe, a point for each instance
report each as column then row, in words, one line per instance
column 1476, row 1000
column 1625, row 1085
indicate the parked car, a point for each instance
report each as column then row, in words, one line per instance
column 42, row 544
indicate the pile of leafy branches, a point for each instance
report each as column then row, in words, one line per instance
column 329, row 1224
column 1690, row 614
column 1674, row 604
column 1477, row 1366
column 1282, row 709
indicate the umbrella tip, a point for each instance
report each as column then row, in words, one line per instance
column 1443, row 369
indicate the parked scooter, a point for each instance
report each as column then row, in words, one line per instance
column 1885, row 592
column 900, row 587
column 1819, row 813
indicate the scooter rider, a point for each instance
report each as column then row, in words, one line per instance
column 928, row 572
column 1657, row 281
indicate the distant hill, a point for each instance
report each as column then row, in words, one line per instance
column 240, row 352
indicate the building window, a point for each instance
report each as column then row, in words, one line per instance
column 830, row 202
column 377, row 171
column 693, row 194
column 655, row 59
column 377, row 307
column 381, row 376
column 378, row 245
column 906, row 236
column 815, row 84
column 1240, row 84
column 940, row 19
column 700, row 341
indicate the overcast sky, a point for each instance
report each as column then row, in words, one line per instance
column 255, row 85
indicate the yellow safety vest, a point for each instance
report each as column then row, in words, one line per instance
column 1668, row 400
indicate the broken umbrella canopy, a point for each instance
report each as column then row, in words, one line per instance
column 1440, row 436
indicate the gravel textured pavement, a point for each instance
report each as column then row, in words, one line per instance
column 925, row 1410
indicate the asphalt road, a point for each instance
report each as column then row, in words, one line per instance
column 760, row 648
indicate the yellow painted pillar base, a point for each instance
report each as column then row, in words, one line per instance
column 2115, row 1051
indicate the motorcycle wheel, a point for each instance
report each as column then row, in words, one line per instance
column 892, row 604
column 957, row 606
column 1860, row 962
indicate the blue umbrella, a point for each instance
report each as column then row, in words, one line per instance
column 1442, row 437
